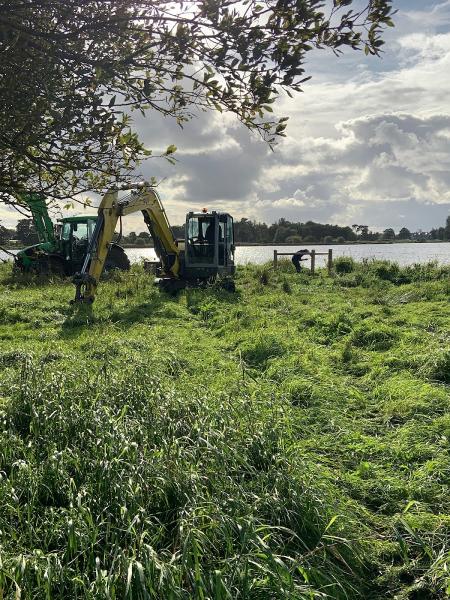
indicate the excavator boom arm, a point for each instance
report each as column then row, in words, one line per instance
column 41, row 219
column 149, row 203
column 145, row 199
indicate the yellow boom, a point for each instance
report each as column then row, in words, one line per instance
column 142, row 198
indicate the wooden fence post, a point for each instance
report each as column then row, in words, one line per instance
column 275, row 259
column 330, row 260
column 313, row 261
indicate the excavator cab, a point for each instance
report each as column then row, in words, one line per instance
column 209, row 245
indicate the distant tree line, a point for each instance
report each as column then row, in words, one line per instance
column 24, row 233
column 289, row 232
column 253, row 232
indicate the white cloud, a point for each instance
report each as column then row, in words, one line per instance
column 436, row 16
column 368, row 141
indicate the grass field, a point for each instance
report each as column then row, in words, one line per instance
column 290, row 440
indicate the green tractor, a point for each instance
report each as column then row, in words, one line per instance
column 62, row 247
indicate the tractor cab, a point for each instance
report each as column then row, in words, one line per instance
column 74, row 235
column 209, row 244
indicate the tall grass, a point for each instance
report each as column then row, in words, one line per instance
column 116, row 486
column 289, row 440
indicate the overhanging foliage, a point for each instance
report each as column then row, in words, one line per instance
column 72, row 72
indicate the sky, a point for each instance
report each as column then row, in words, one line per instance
column 368, row 141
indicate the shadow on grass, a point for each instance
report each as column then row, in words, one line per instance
column 140, row 312
column 17, row 280
column 160, row 300
column 212, row 292
column 80, row 317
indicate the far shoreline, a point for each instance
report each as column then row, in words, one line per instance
column 346, row 243
column 278, row 244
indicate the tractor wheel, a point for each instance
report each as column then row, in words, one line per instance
column 56, row 266
column 117, row 259
column 48, row 265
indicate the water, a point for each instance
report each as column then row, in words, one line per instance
column 403, row 254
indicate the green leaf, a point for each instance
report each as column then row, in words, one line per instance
column 129, row 576
column 332, row 520
column 171, row 149
column 410, row 504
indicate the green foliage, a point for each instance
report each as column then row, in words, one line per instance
column 344, row 264
column 26, row 232
column 73, row 72
column 263, row 274
column 287, row 288
column 387, row 271
column 388, row 234
column 373, row 273
column 284, row 231
column 437, row 365
column 257, row 444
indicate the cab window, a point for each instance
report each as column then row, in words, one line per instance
column 91, row 227
column 221, row 232
column 230, row 239
column 66, row 231
column 80, row 231
column 201, row 235
column 193, row 228
column 201, row 229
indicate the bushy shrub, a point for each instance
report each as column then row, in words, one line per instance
column 300, row 391
column 263, row 273
column 430, row 271
column 347, row 353
column 391, row 271
column 349, row 280
column 286, row 286
column 285, row 266
column 344, row 264
column 387, row 271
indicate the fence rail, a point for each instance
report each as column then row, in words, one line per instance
column 312, row 255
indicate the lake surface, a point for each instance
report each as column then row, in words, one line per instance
column 404, row 254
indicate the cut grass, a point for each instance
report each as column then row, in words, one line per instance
column 287, row 441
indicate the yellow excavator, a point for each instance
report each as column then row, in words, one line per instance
column 206, row 251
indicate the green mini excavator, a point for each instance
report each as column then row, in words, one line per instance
column 62, row 247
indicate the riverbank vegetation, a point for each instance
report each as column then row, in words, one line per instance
column 290, row 440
